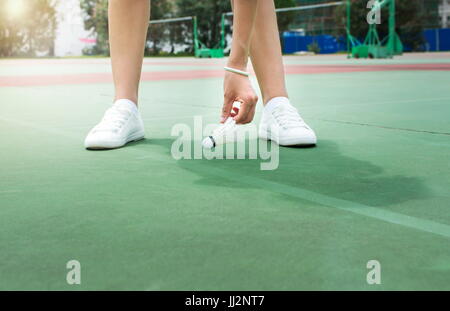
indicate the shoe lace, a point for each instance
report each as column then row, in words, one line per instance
column 288, row 117
column 114, row 119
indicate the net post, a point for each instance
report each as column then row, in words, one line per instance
column 392, row 32
column 348, row 26
column 194, row 18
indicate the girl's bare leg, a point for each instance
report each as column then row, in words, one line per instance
column 122, row 123
column 265, row 52
column 128, row 24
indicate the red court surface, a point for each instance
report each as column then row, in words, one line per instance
column 215, row 70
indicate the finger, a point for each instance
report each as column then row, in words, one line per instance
column 243, row 113
column 251, row 115
column 226, row 109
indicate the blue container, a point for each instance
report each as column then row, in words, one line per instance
column 435, row 40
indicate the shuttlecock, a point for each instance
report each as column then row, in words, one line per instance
column 227, row 129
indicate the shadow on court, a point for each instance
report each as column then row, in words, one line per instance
column 322, row 170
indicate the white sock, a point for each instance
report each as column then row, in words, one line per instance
column 128, row 104
column 275, row 102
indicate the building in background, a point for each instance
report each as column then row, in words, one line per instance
column 71, row 37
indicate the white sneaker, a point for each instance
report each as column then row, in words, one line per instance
column 282, row 124
column 121, row 124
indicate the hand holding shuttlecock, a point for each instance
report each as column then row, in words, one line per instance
column 226, row 129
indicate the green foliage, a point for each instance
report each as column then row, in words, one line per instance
column 96, row 20
column 208, row 15
column 285, row 18
column 30, row 33
column 412, row 17
column 157, row 34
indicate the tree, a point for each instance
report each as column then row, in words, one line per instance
column 96, row 20
column 209, row 14
column 27, row 30
column 169, row 35
column 160, row 34
column 411, row 18
column 285, row 18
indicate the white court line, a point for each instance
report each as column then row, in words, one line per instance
column 10, row 191
column 349, row 206
column 404, row 101
column 335, row 104
column 420, row 224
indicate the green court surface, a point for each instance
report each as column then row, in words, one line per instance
column 377, row 186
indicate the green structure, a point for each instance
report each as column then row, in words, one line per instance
column 373, row 47
column 201, row 50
